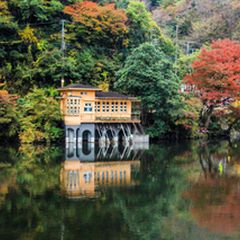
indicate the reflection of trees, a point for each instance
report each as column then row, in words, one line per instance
column 210, row 155
column 33, row 172
column 215, row 204
column 158, row 208
column 147, row 208
column 139, row 211
column 215, row 196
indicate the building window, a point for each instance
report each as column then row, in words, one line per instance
column 83, row 93
column 112, row 176
column 121, row 106
column 116, row 107
column 73, row 106
column 103, row 177
column 97, row 106
column 103, row 107
column 124, row 176
column 88, row 107
column 87, row 177
column 98, row 176
column 107, row 107
column 121, row 176
column 113, row 107
column 125, row 107
column 106, row 176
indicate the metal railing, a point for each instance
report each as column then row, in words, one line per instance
column 110, row 117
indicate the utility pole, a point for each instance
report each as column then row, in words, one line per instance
column 63, row 47
column 188, row 48
column 176, row 43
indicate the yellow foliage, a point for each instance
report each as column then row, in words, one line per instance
column 27, row 35
column 5, row 15
column 236, row 104
column 3, row 8
column 125, row 42
column 104, row 86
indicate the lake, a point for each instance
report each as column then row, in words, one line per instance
column 188, row 190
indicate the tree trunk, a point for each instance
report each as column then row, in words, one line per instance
column 208, row 115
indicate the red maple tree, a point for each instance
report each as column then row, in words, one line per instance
column 216, row 75
column 101, row 20
column 216, row 72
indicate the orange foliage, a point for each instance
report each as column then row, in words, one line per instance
column 105, row 19
column 216, row 72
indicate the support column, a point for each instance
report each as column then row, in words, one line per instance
column 71, row 134
column 89, row 127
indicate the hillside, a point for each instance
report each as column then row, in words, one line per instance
column 199, row 21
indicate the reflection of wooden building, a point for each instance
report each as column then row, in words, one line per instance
column 83, row 179
column 92, row 152
column 91, row 114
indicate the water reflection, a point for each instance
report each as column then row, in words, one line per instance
column 215, row 196
column 93, row 152
column 89, row 169
column 170, row 191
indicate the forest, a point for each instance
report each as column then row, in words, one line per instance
column 181, row 58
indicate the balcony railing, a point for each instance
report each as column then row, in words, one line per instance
column 93, row 117
column 117, row 119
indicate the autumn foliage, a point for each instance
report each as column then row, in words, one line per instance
column 216, row 72
column 105, row 20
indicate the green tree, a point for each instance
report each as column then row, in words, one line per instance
column 39, row 116
column 142, row 27
column 8, row 121
column 149, row 74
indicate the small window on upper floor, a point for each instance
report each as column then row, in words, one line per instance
column 116, row 107
column 125, row 107
column 72, row 106
column 97, row 106
column 83, row 93
column 107, row 107
column 88, row 107
column 103, row 107
column 113, row 107
column 121, row 106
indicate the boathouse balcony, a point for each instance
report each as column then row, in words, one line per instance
column 109, row 118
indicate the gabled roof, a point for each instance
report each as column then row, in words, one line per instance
column 112, row 95
column 99, row 93
column 79, row 87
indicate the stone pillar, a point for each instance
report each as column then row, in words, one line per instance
column 71, row 134
column 90, row 127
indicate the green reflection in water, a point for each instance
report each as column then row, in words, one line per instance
column 175, row 192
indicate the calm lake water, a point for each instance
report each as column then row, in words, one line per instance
column 167, row 191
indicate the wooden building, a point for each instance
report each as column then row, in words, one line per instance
column 90, row 114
